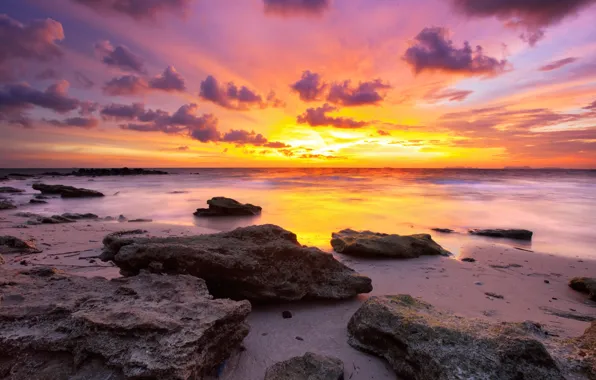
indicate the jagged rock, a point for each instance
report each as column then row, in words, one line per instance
column 422, row 343
column 62, row 327
column 12, row 244
column 222, row 206
column 66, row 191
column 10, row 190
column 308, row 367
column 116, row 171
column 371, row 244
column 259, row 263
column 587, row 350
column 443, row 230
column 509, row 234
column 584, row 285
column 6, row 204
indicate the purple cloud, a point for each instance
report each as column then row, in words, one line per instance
column 366, row 93
column 310, row 87
column 433, row 51
column 119, row 56
column 126, row 85
column 121, row 111
column 36, row 40
column 170, row 80
column 317, row 117
column 18, row 97
column 48, row 74
column 138, row 9
column 296, row 7
column 234, row 97
column 242, row 137
column 83, row 81
column 75, row 122
column 558, row 64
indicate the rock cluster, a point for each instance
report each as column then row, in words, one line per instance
column 584, row 285
column 422, row 343
column 373, row 244
column 258, row 263
column 308, row 367
column 222, row 206
column 36, row 219
column 509, row 234
column 56, row 326
column 66, row 191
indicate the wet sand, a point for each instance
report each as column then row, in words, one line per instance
column 447, row 283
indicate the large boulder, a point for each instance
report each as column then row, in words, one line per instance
column 586, row 346
column 12, row 244
column 422, row 343
column 56, row 326
column 66, row 191
column 373, row 244
column 259, row 263
column 308, row 367
column 10, row 190
column 584, row 285
column 222, row 206
column 509, row 234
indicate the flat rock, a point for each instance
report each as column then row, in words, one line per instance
column 62, row 327
column 584, row 285
column 422, row 343
column 509, row 234
column 222, row 206
column 66, row 191
column 308, row 367
column 10, row 190
column 6, row 204
column 12, row 244
column 373, row 244
column 258, row 263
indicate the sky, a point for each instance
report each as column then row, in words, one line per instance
column 298, row 83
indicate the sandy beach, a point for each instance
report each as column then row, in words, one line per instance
column 533, row 286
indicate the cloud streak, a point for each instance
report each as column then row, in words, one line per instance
column 290, row 8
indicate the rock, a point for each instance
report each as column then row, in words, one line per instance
column 469, row 259
column 509, row 234
column 10, row 190
column 286, row 314
column 122, row 218
column 422, row 343
column 140, row 221
column 371, row 244
column 584, row 285
column 116, row 171
column 66, row 191
column 505, row 266
column 6, row 204
column 587, row 346
column 2, row 260
column 74, row 216
column 259, row 263
column 443, row 230
column 308, row 367
column 494, row 295
column 12, row 244
column 221, row 206
column 546, row 281
column 57, row 326
column 37, row 201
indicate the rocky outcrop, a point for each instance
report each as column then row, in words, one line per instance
column 10, row 190
column 221, row 206
column 259, row 263
column 12, row 244
column 6, row 204
column 36, row 219
column 116, row 171
column 66, row 191
column 509, row 234
column 308, row 367
column 56, row 326
column 584, row 285
column 422, row 343
column 372, row 244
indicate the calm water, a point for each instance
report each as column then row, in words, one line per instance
column 558, row 205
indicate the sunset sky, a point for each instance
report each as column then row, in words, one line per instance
column 341, row 83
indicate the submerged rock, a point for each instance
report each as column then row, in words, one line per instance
column 584, row 285
column 12, row 244
column 422, row 343
column 66, row 191
column 308, row 367
column 371, row 244
column 6, row 204
column 509, row 234
column 259, row 263
column 10, row 190
column 56, row 326
column 222, row 206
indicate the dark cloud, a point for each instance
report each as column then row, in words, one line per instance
column 75, row 122
column 170, row 80
column 36, row 40
column 366, row 93
column 19, row 97
column 234, row 97
column 126, row 85
column 310, row 86
column 317, row 117
column 296, row 7
column 558, row 64
column 138, row 9
column 83, row 81
column 433, row 51
column 48, row 74
column 443, row 94
column 120, row 57
column 531, row 15
column 121, row 111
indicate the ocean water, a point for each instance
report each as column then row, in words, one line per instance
column 558, row 205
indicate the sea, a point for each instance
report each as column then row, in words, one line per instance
column 559, row 206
